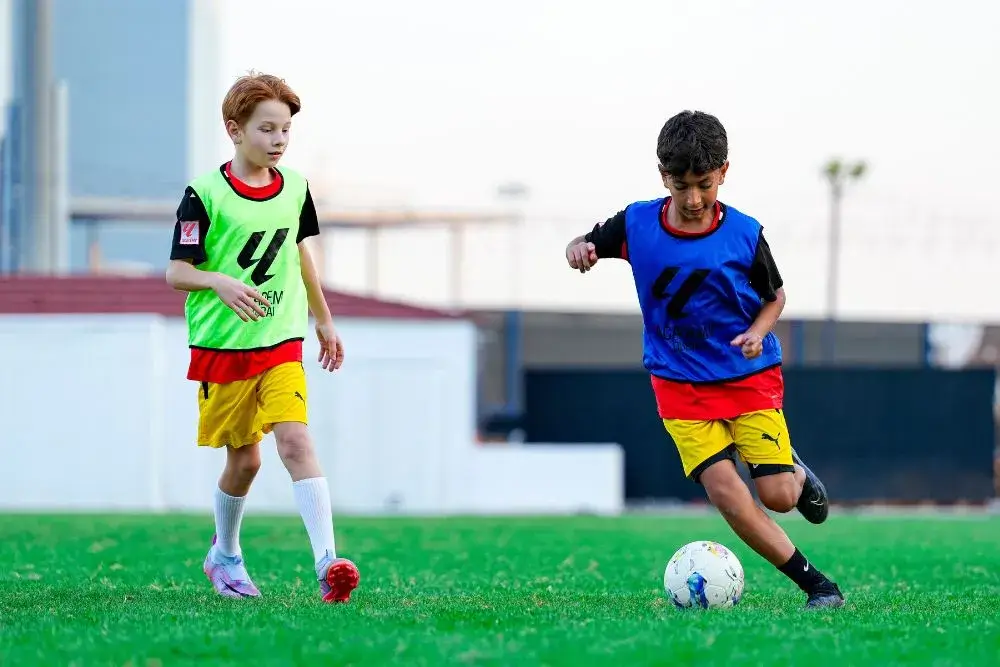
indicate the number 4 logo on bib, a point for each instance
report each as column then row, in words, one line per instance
column 687, row 288
column 263, row 263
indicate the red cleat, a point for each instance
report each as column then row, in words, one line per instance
column 338, row 577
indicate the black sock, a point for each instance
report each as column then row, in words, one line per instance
column 801, row 571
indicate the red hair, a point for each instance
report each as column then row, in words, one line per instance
column 251, row 90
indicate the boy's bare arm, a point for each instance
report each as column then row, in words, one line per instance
column 241, row 298
column 314, row 287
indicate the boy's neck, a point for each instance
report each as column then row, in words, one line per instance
column 249, row 173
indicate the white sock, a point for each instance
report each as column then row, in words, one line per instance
column 313, row 498
column 228, row 517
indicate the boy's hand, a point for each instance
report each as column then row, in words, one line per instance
column 581, row 256
column 331, row 348
column 750, row 343
column 242, row 299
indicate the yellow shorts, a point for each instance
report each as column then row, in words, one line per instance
column 240, row 413
column 759, row 438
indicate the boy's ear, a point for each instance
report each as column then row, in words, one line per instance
column 234, row 131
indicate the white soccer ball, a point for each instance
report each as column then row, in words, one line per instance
column 704, row 574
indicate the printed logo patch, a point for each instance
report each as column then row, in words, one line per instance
column 189, row 233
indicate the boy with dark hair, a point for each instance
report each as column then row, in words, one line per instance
column 710, row 293
column 239, row 251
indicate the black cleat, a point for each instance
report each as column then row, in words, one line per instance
column 813, row 504
column 827, row 596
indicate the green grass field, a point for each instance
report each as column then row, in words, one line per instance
column 126, row 590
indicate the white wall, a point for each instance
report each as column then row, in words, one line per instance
column 98, row 415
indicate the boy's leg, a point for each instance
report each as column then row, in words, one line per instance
column 282, row 398
column 226, row 414
column 242, row 465
column 762, row 440
column 783, row 481
column 706, row 449
column 312, row 492
column 732, row 498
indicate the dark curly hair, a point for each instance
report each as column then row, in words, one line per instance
column 692, row 141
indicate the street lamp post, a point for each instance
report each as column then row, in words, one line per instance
column 515, row 193
column 838, row 175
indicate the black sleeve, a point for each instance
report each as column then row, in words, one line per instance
column 764, row 276
column 191, row 229
column 308, row 220
column 608, row 237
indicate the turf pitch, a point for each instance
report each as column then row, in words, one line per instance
column 128, row 590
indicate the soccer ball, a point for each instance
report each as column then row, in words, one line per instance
column 704, row 574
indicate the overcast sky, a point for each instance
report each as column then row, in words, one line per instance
column 433, row 104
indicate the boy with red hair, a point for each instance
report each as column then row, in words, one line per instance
column 239, row 252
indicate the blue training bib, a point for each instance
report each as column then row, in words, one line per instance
column 695, row 296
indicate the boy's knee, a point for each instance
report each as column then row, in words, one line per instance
column 728, row 502
column 244, row 462
column 249, row 466
column 780, row 493
column 294, row 444
column 726, row 490
column 782, row 500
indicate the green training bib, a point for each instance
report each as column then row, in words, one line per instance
column 252, row 241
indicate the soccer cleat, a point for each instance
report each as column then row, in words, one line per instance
column 228, row 575
column 338, row 577
column 827, row 596
column 813, row 503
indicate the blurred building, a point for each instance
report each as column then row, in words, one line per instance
column 117, row 101
column 123, row 86
column 613, row 341
column 5, row 54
